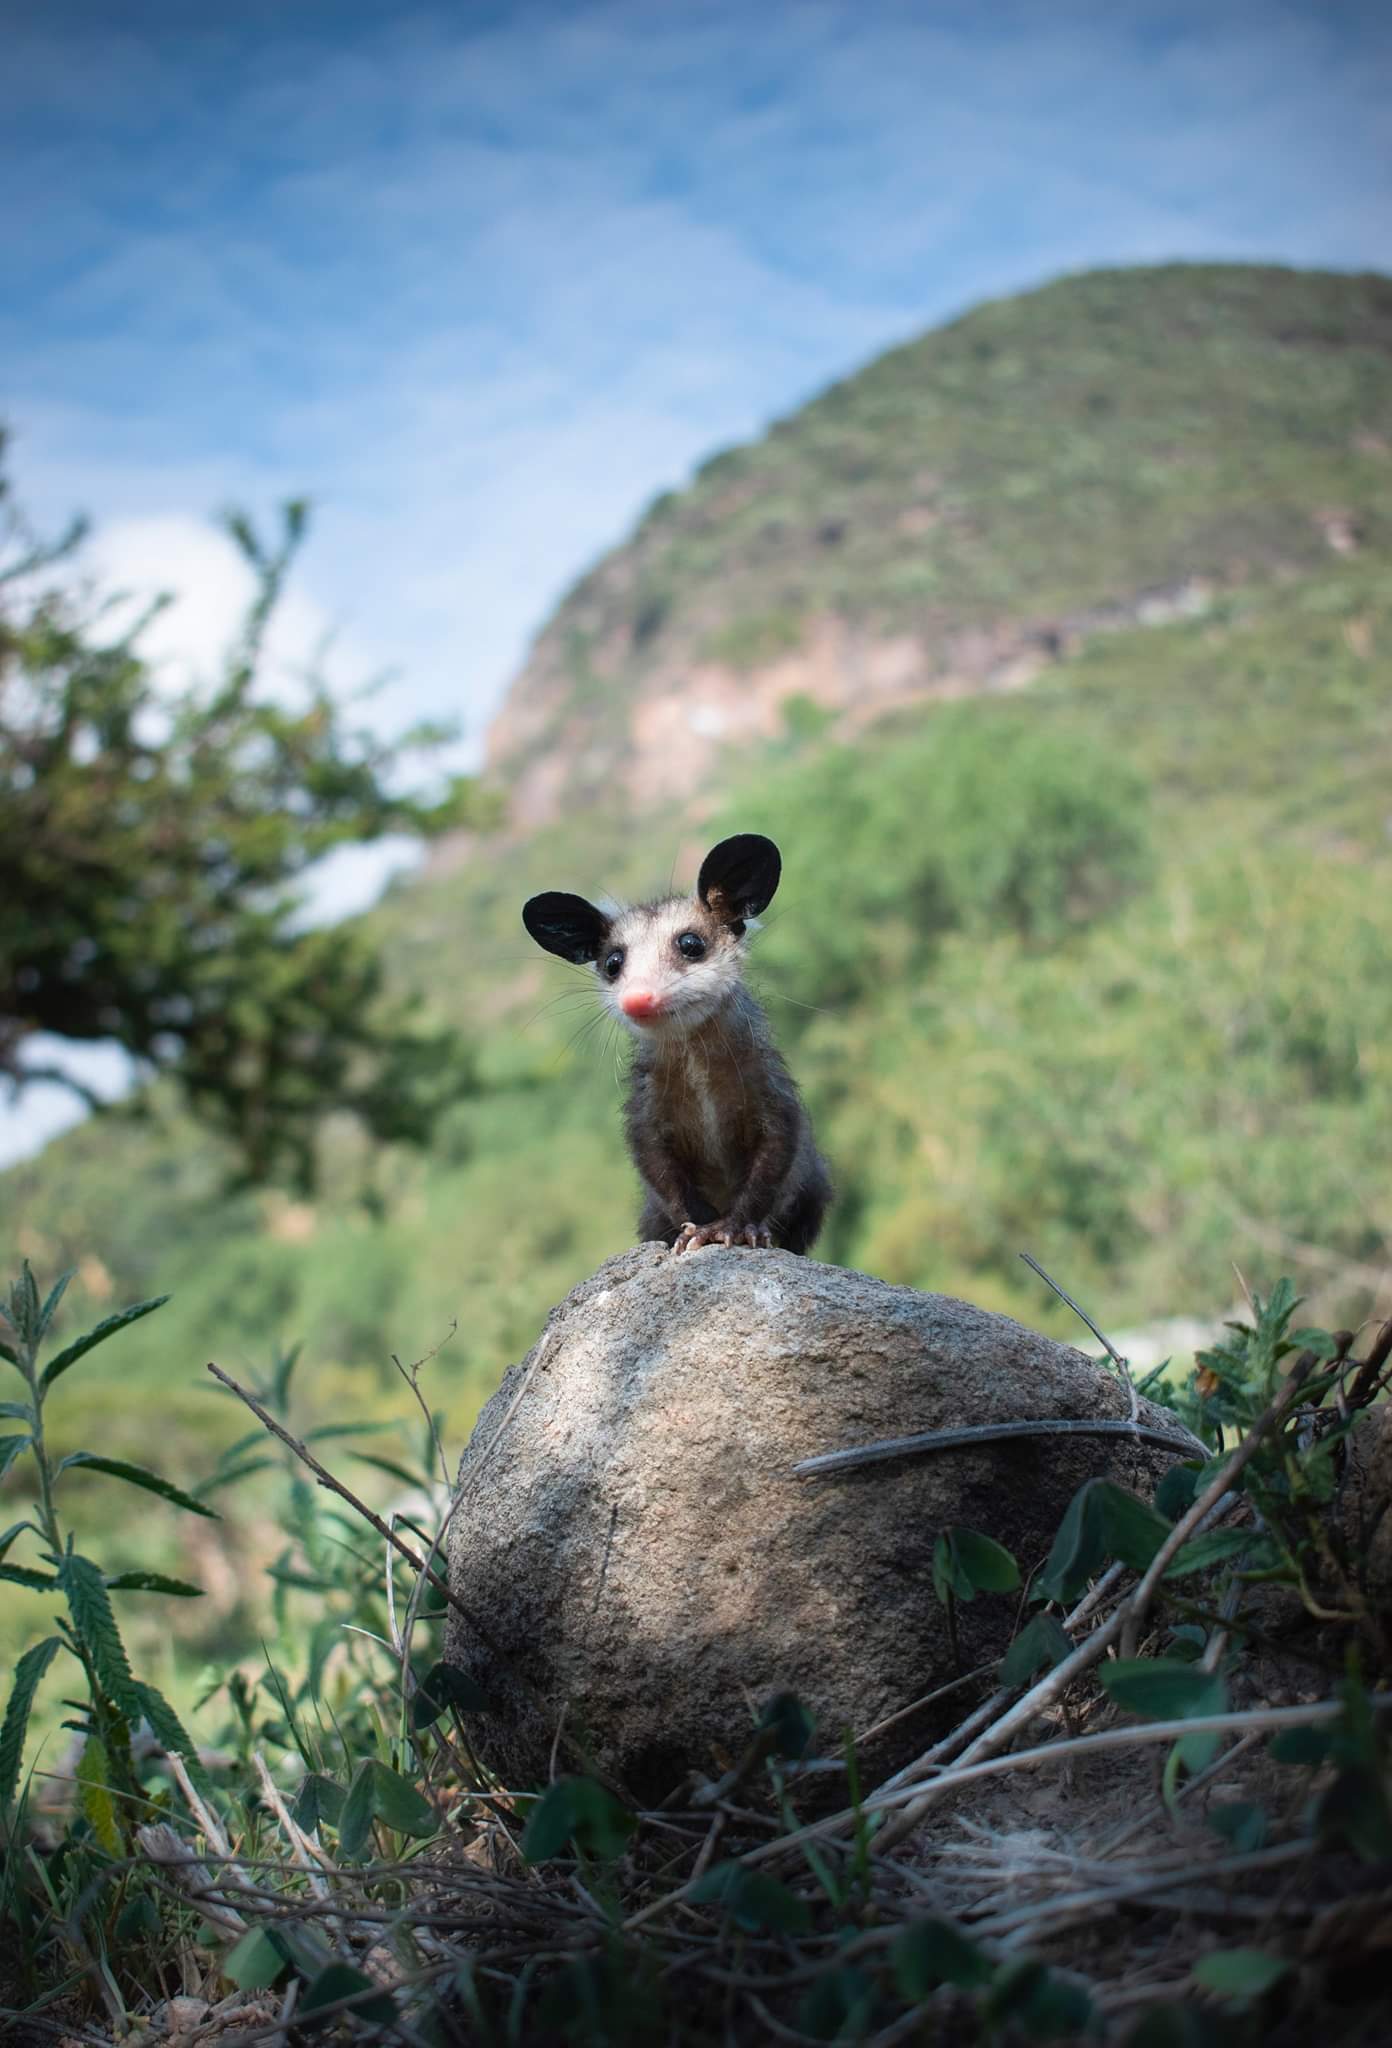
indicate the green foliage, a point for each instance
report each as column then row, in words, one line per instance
column 966, row 1563
column 752, row 1899
column 151, row 845
column 576, row 1810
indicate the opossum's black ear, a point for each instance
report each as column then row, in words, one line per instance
column 567, row 925
column 738, row 877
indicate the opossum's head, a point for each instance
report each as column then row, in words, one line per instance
column 664, row 968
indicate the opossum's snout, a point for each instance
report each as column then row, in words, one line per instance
column 641, row 1005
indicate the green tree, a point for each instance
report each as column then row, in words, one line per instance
column 150, row 847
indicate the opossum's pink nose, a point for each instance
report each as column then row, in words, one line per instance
column 640, row 1004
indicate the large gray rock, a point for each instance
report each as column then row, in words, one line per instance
column 631, row 1538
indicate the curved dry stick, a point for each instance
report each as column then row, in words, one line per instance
column 1177, row 1439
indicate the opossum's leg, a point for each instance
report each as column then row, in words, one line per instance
column 657, row 1221
column 798, row 1228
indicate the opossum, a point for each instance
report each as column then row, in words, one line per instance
column 713, row 1118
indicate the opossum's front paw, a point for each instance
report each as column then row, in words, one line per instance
column 692, row 1236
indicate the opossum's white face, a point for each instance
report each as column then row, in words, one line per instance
column 665, row 968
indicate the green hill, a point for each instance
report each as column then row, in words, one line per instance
column 1092, row 961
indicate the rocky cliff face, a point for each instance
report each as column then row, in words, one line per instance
column 961, row 513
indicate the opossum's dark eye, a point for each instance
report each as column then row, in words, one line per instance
column 614, row 962
column 691, row 946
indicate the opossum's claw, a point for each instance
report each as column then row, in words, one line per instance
column 692, row 1236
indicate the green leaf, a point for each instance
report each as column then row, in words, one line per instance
column 169, row 1731
column 1355, row 1808
column 1309, row 1746
column 400, row 1805
column 580, row 1811
column 28, row 1672
column 24, row 1305
column 356, row 1814
column 1203, row 1552
column 1177, row 2026
column 1078, row 1550
column 17, row 1411
column 932, row 1952
column 789, row 1724
column 1133, row 1531
column 1040, row 1645
column 94, row 1795
column 21, row 1575
column 15, row 1529
column 257, row 1961
column 445, row 1686
column 1164, row 1688
column 1039, row 2002
column 50, row 1307
column 10, row 1448
column 341, row 1980
column 153, row 1582
column 318, row 1801
column 839, row 2005
column 108, row 1328
column 379, row 1793
column 966, row 1563
column 988, row 1564
column 1239, row 1972
column 95, row 1625
column 752, row 1899
column 138, row 1920
column 1240, row 1822
column 138, row 1475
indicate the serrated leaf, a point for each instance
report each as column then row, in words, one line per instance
column 319, row 1801
column 1040, row 1645
column 1239, row 1972
column 445, row 1686
column 21, row 1575
column 50, row 1307
column 138, row 1475
column 98, row 1335
column 94, row 1795
column 153, row 1582
column 95, row 1626
column 15, row 1530
column 932, row 1952
column 24, row 1305
column 28, row 1673
column 752, row 1899
column 10, row 1448
column 578, row 1810
column 169, row 1731
column 341, row 1980
column 257, row 1961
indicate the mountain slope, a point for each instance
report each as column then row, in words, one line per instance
column 1112, row 447
column 1094, row 966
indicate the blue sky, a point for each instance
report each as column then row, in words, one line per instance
column 482, row 279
